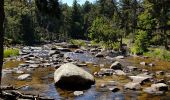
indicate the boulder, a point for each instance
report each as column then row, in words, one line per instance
column 52, row 52
column 132, row 86
column 79, row 51
column 33, row 65
column 160, row 87
column 24, row 76
column 151, row 64
column 114, row 89
column 143, row 63
column 99, row 55
column 140, row 79
column 131, row 68
column 160, row 73
column 116, row 66
column 120, row 57
column 119, row 72
column 151, row 90
column 105, row 71
column 64, row 49
column 70, row 76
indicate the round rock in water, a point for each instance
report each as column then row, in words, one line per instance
column 71, row 77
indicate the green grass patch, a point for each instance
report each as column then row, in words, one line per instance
column 78, row 42
column 158, row 53
column 11, row 52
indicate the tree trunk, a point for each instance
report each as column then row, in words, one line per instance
column 2, row 15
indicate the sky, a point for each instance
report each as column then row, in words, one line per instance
column 69, row 2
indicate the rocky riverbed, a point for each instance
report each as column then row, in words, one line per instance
column 116, row 77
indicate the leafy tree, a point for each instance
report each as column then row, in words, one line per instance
column 141, row 42
column 103, row 31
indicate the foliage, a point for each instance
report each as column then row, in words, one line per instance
column 102, row 30
column 11, row 52
column 158, row 53
column 141, row 43
column 78, row 42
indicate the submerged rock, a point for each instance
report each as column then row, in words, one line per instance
column 24, row 76
column 70, row 76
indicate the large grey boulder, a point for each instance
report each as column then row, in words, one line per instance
column 70, row 76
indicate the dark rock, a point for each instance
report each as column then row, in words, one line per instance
column 99, row 55
column 114, row 89
column 116, row 66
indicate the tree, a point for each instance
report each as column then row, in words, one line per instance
column 102, row 30
column 2, row 16
column 76, row 21
column 106, row 8
column 141, row 42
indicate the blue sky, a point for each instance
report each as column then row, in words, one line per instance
column 69, row 2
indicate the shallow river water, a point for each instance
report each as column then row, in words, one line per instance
column 42, row 81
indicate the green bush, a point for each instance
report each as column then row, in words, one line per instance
column 141, row 43
column 159, row 54
column 11, row 52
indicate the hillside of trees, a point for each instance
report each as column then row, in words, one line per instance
column 144, row 22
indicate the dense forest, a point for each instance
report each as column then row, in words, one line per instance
column 144, row 22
